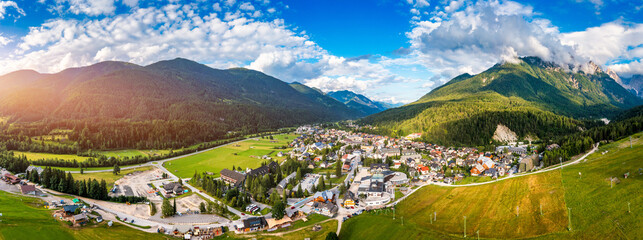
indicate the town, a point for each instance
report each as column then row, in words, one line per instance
column 327, row 172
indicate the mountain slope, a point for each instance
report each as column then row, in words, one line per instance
column 536, row 99
column 634, row 82
column 177, row 89
column 358, row 102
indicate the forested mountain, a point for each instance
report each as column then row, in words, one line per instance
column 176, row 101
column 358, row 102
column 534, row 98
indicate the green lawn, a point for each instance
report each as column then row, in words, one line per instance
column 37, row 156
column 109, row 177
column 246, row 154
column 597, row 212
column 24, row 218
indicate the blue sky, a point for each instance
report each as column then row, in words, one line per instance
column 394, row 51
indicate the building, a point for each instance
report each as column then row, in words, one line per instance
column 38, row 169
column 11, row 178
column 263, row 170
column 398, row 178
column 327, row 209
column 252, row 224
column 80, row 219
column 28, row 189
column 325, row 196
column 477, row 170
column 379, row 167
column 231, row 177
column 173, row 188
column 528, row 163
column 273, row 224
column 69, row 210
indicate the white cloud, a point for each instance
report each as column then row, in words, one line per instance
column 4, row 41
column 91, row 7
column 482, row 34
column 216, row 7
column 4, row 5
column 610, row 41
column 148, row 35
column 247, row 7
column 130, row 3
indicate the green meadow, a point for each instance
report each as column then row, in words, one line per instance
column 38, row 156
column 511, row 208
column 245, row 154
column 25, row 218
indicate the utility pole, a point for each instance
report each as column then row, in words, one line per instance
column 465, row 226
column 569, row 213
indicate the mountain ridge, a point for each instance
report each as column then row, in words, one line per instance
column 508, row 92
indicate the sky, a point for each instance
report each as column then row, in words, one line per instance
column 390, row 51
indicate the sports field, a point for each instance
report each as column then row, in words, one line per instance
column 25, row 218
column 511, row 208
column 245, row 154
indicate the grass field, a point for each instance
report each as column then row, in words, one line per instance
column 37, row 156
column 597, row 212
column 109, row 177
column 24, row 218
column 327, row 227
column 246, row 154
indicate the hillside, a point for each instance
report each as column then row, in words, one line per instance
column 533, row 98
column 358, row 102
column 511, row 209
column 203, row 100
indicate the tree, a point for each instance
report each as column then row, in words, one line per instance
column 117, row 170
column 338, row 169
column 278, row 210
column 298, row 176
column 167, row 208
column 342, row 189
column 82, row 171
column 202, row 207
column 332, row 236
column 174, row 206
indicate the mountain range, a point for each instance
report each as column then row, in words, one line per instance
column 528, row 97
column 177, row 89
column 358, row 102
